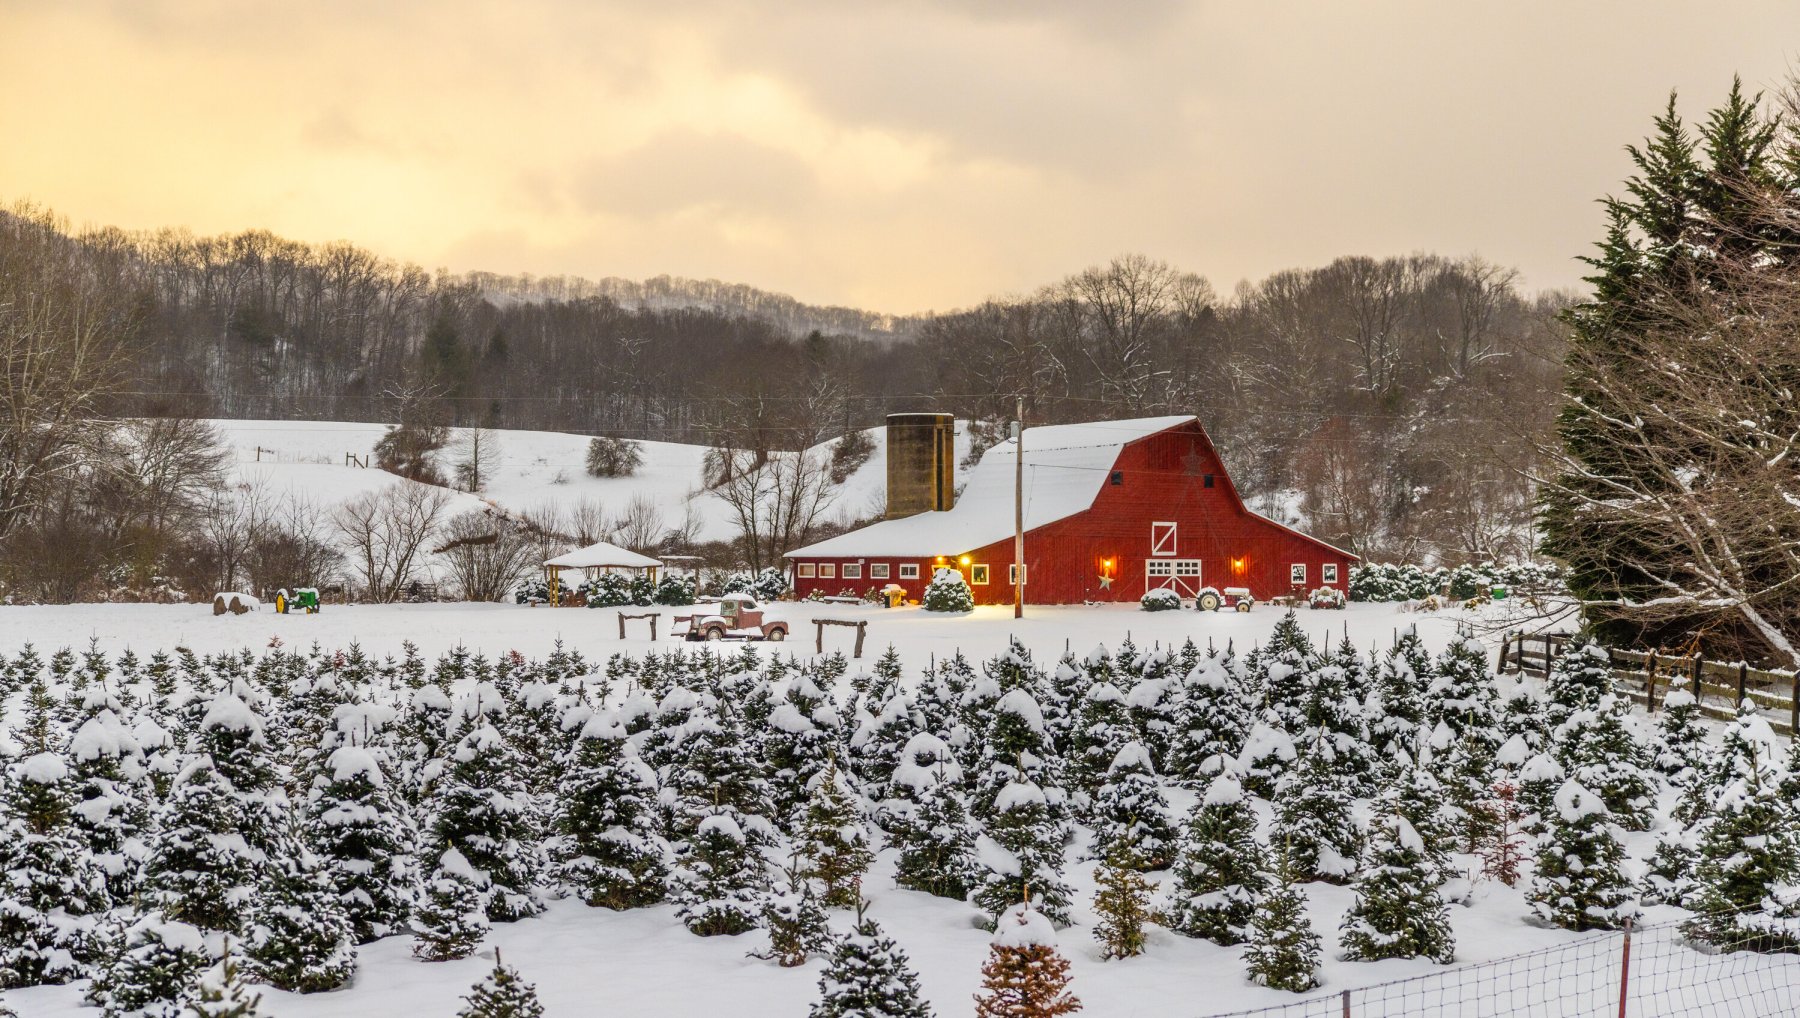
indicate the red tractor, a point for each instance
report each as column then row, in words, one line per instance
column 738, row 618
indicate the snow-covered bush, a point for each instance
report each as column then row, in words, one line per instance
column 1388, row 581
column 642, row 591
column 1161, row 599
column 947, row 592
column 770, row 584
column 608, row 590
column 532, row 591
column 675, row 589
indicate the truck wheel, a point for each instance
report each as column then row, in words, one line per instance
column 1207, row 602
column 777, row 635
column 715, row 634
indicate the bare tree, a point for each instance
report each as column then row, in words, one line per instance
column 778, row 503
column 294, row 548
column 61, row 328
column 640, row 527
column 385, row 531
column 486, row 554
column 476, row 454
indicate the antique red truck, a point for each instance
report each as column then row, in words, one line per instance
column 738, row 618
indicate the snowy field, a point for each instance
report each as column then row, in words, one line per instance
column 644, row 963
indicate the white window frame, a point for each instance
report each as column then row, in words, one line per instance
column 979, row 574
column 1012, row 575
column 1163, row 539
column 808, row 570
column 1328, row 573
column 878, row 570
column 1159, row 567
column 1187, row 567
column 1297, row 574
column 853, row 570
column 909, row 570
column 828, row 570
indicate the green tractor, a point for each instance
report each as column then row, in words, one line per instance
column 303, row 598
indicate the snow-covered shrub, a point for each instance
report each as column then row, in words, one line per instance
column 642, row 591
column 770, row 584
column 608, row 590
column 948, row 592
column 532, row 591
column 1387, row 581
column 675, row 589
column 614, row 457
column 1161, row 599
column 814, row 595
column 850, row 453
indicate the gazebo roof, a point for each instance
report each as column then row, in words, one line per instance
column 601, row 555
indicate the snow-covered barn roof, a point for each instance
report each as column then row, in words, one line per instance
column 600, row 555
column 1065, row 467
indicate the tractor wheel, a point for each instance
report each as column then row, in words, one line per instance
column 777, row 635
column 280, row 605
column 1207, row 602
column 1243, row 606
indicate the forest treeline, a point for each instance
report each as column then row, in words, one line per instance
column 1389, row 403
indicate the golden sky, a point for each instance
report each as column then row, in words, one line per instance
column 899, row 155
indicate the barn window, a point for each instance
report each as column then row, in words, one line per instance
column 807, row 571
column 1297, row 574
column 1118, row 477
column 1328, row 573
column 909, row 570
column 1012, row 575
column 853, row 570
column 878, row 570
column 978, row 574
column 1207, row 481
column 827, row 570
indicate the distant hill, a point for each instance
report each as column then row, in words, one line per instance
column 666, row 293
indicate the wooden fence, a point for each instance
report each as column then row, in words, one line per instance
column 1647, row 677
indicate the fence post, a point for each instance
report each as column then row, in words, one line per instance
column 621, row 625
column 1794, row 707
column 1699, row 694
column 1346, row 1004
column 1743, row 681
column 1505, row 642
column 1625, row 969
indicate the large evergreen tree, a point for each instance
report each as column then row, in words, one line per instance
column 607, row 848
column 365, row 841
column 1218, row 876
column 1579, row 884
column 1398, row 912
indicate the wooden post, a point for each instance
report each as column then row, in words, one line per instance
column 621, row 625
column 1743, row 681
column 862, row 630
column 1699, row 694
column 1018, row 514
column 1794, row 707
column 1499, row 669
column 1625, row 969
column 1650, row 682
column 819, row 640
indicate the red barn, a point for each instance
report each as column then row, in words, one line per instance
column 1112, row 509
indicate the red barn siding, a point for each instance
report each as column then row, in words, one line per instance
column 1162, row 479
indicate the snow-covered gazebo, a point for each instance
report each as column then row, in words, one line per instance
column 595, row 559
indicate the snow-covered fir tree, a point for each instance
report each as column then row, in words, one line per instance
column 299, row 936
column 1680, row 749
column 1102, row 727
column 1596, row 748
column 1398, row 912
column 1748, row 858
column 1315, row 819
column 607, row 848
column 796, row 920
column 201, row 870
column 1212, row 723
column 869, row 977
column 1266, row 759
column 366, row 842
column 936, row 839
column 532, row 725
column 1021, row 809
column 1579, row 883
column 1279, row 674
column 1332, row 715
column 877, row 743
column 155, row 972
column 1025, row 976
column 1154, row 704
column 52, row 893
column 1283, row 950
column 720, row 877
column 1130, row 814
column 113, row 813
column 1579, row 677
column 502, row 994
column 480, row 808
column 451, row 918
column 224, row 992
column 1218, row 876
column 1398, row 705
column 833, row 841
column 948, row 592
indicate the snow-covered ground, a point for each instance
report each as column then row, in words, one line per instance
column 644, row 963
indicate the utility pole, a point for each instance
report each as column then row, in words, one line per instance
column 1019, row 511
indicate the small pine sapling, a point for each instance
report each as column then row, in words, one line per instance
column 797, row 923
column 1398, row 912
column 1504, row 849
column 503, row 994
column 452, row 919
column 1284, row 950
column 869, row 977
column 835, row 840
column 1121, row 904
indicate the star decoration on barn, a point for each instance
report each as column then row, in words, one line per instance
column 1105, row 582
column 1193, row 464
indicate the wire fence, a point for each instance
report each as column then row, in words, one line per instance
column 1654, row 971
